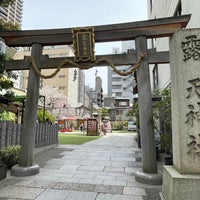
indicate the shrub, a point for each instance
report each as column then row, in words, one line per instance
column 47, row 116
column 7, row 116
column 10, row 155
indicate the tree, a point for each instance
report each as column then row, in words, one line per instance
column 162, row 112
column 8, row 26
column 5, row 77
column 104, row 113
column 56, row 102
column 47, row 116
column 7, row 116
column 5, row 3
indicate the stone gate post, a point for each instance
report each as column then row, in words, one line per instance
column 181, row 181
column 26, row 166
column 149, row 174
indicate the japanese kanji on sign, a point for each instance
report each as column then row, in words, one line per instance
column 83, row 44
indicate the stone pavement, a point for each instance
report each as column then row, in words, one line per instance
column 102, row 169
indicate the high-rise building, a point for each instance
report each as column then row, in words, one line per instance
column 121, row 86
column 13, row 12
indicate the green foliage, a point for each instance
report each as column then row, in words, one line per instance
column 162, row 111
column 7, row 116
column 8, row 26
column 10, row 155
column 166, row 143
column 47, row 116
column 5, row 3
column 134, row 112
column 19, row 98
column 119, row 125
column 104, row 113
column 5, row 82
column 3, row 59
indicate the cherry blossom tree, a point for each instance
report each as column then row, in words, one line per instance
column 56, row 102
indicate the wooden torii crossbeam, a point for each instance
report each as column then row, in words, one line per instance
column 156, row 28
column 163, row 27
column 138, row 31
column 117, row 59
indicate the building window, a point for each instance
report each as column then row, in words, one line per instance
column 116, row 79
column 118, row 94
column 155, row 76
column 119, row 112
column 153, row 42
column 123, row 103
column 61, row 76
column 116, row 86
column 61, row 88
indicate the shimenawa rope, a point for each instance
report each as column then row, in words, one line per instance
column 106, row 60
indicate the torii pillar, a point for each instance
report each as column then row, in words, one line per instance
column 26, row 166
column 149, row 174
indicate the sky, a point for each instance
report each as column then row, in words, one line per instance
column 50, row 14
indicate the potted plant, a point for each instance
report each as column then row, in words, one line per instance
column 166, row 145
column 10, row 155
column 3, row 171
column 162, row 113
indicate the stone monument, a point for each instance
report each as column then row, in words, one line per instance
column 181, row 181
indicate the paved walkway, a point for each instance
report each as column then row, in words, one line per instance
column 99, row 170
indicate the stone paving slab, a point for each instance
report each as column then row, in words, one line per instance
column 102, row 169
column 74, row 195
column 117, row 197
column 12, row 191
column 50, row 194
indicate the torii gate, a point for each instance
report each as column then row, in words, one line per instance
column 138, row 31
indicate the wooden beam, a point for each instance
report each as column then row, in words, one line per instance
column 162, row 27
column 117, row 59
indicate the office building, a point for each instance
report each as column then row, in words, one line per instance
column 121, row 87
column 13, row 12
column 66, row 81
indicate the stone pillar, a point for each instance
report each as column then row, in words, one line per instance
column 181, row 181
column 149, row 174
column 26, row 166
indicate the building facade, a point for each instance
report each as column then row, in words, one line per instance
column 160, row 74
column 66, row 81
column 13, row 12
column 121, row 87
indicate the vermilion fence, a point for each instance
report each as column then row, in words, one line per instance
column 46, row 134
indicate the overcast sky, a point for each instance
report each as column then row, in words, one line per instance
column 49, row 14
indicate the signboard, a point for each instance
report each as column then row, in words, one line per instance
column 83, row 44
column 92, row 125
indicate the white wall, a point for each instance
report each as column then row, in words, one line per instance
column 167, row 8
